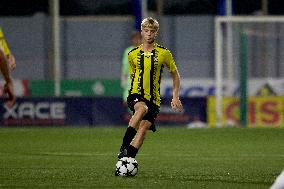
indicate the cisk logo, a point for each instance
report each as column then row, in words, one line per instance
column 32, row 110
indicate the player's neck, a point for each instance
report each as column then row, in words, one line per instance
column 148, row 47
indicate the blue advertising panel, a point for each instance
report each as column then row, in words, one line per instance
column 194, row 110
column 91, row 111
column 109, row 111
column 48, row 111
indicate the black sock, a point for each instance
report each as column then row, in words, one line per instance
column 132, row 151
column 128, row 136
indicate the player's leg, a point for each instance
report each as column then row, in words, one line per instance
column 141, row 133
column 140, row 109
column 146, row 124
column 139, row 138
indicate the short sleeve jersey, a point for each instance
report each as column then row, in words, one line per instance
column 146, row 69
column 3, row 44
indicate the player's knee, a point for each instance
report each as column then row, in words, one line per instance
column 142, row 130
column 145, row 125
column 143, row 108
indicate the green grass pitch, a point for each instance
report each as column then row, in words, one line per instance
column 69, row 157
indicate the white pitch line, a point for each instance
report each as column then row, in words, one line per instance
column 60, row 154
column 74, row 154
column 143, row 154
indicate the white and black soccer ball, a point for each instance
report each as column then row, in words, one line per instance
column 126, row 166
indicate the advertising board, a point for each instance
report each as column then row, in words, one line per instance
column 92, row 111
column 262, row 111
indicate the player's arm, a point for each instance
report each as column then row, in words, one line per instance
column 3, row 67
column 8, row 87
column 176, row 103
column 10, row 57
column 170, row 64
column 11, row 61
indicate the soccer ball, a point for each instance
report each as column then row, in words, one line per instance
column 126, row 166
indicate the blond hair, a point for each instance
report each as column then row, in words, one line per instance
column 151, row 23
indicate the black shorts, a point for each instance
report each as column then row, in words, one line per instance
column 153, row 109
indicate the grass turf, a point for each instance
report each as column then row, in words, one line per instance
column 170, row 158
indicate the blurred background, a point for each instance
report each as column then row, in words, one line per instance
column 69, row 52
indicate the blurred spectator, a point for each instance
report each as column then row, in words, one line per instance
column 125, row 80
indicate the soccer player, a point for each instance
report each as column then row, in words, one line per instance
column 279, row 182
column 9, row 56
column 146, row 63
column 125, row 80
column 8, row 87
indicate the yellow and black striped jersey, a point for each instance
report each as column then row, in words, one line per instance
column 146, row 69
column 3, row 44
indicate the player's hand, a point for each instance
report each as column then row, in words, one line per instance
column 176, row 104
column 11, row 61
column 9, row 91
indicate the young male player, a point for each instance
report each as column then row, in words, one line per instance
column 146, row 63
column 9, row 56
column 8, row 87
